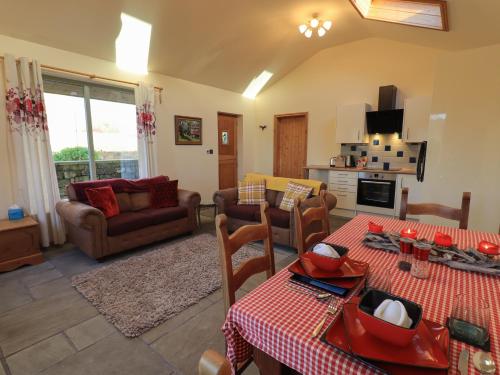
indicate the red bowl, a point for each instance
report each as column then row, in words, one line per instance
column 381, row 329
column 328, row 263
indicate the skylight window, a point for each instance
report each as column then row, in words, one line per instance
column 257, row 84
column 132, row 45
column 431, row 14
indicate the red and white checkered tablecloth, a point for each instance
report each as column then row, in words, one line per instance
column 279, row 321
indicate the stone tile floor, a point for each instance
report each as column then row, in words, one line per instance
column 47, row 327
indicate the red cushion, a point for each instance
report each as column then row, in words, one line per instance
column 242, row 212
column 279, row 218
column 164, row 194
column 104, row 199
column 164, row 215
column 127, row 222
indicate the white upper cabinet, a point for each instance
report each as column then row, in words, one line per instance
column 416, row 119
column 351, row 123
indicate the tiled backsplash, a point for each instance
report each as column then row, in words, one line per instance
column 385, row 148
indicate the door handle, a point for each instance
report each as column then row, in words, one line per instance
column 358, row 134
column 375, row 182
column 407, row 133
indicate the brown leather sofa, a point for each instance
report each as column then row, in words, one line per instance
column 137, row 224
column 282, row 222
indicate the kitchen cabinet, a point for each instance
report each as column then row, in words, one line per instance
column 344, row 185
column 416, row 119
column 351, row 123
column 414, row 192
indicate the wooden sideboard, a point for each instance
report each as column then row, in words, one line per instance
column 19, row 243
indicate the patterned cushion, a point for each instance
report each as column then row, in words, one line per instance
column 104, row 199
column 164, row 194
column 292, row 192
column 251, row 192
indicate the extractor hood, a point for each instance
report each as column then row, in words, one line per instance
column 387, row 119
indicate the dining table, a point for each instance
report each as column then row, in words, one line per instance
column 277, row 320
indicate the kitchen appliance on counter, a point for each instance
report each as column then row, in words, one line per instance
column 350, row 161
column 376, row 192
column 338, row 161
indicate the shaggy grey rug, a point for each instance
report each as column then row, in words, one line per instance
column 141, row 292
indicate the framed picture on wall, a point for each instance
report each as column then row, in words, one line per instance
column 188, row 130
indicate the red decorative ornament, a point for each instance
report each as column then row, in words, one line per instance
column 442, row 239
column 408, row 233
column 375, row 228
column 488, row 248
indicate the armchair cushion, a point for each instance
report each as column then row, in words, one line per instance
column 242, row 212
column 164, row 194
column 104, row 199
column 279, row 218
column 251, row 192
column 128, row 222
column 294, row 191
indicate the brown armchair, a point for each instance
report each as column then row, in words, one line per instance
column 282, row 222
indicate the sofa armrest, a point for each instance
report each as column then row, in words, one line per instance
column 188, row 198
column 225, row 198
column 331, row 202
column 80, row 214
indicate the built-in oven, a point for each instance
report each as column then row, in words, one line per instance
column 376, row 189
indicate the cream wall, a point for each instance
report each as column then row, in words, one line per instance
column 464, row 152
column 350, row 73
column 195, row 169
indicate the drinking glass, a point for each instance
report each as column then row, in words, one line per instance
column 470, row 319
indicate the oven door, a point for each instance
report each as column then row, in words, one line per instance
column 376, row 193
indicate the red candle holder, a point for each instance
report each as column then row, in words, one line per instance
column 488, row 248
column 406, row 245
column 441, row 239
column 405, row 251
column 375, row 228
column 408, row 233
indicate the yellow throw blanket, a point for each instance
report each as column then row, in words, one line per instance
column 280, row 183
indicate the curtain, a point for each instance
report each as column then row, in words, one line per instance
column 35, row 181
column 146, row 130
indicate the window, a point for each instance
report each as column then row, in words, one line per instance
column 93, row 131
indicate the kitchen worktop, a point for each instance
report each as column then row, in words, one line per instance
column 394, row 171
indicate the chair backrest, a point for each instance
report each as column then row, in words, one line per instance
column 459, row 214
column 305, row 238
column 230, row 244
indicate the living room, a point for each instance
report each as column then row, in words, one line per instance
column 198, row 73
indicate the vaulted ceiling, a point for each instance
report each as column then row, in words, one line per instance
column 225, row 43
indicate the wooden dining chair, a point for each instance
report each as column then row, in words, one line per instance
column 213, row 363
column 230, row 244
column 459, row 214
column 311, row 219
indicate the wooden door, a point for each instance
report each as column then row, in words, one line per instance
column 228, row 150
column 290, row 145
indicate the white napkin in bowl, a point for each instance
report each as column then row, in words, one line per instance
column 326, row 250
column 393, row 312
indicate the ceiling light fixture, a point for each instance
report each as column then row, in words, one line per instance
column 257, row 84
column 322, row 27
column 132, row 45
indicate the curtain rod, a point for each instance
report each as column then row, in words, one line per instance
column 91, row 76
